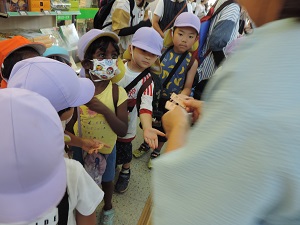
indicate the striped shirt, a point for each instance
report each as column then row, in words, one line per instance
column 223, row 29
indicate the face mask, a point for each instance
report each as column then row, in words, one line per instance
column 104, row 69
column 65, row 122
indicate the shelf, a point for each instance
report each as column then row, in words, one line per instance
column 87, row 13
column 45, row 13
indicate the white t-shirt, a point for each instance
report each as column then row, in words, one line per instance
column 84, row 194
column 159, row 10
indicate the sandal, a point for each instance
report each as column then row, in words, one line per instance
column 154, row 155
column 142, row 150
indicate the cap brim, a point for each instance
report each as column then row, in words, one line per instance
column 29, row 206
column 39, row 47
column 86, row 90
column 65, row 57
column 147, row 48
column 189, row 25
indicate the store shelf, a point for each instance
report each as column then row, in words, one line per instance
column 45, row 13
column 87, row 13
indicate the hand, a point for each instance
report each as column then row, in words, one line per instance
column 95, row 105
column 176, row 118
column 92, row 145
column 195, row 107
column 150, row 136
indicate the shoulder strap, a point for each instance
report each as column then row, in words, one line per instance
column 165, row 52
column 141, row 91
column 115, row 93
column 166, row 28
column 63, row 209
column 222, row 7
column 131, row 3
column 136, row 80
column 182, row 57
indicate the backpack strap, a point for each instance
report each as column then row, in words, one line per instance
column 166, row 28
column 63, row 209
column 221, row 7
column 115, row 93
column 141, row 91
column 136, row 80
column 182, row 57
column 131, row 3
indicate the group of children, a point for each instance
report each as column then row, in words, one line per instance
column 113, row 93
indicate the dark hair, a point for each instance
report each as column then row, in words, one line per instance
column 13, row 58
column 102, row 44
column 63, row 111
column 291, row 8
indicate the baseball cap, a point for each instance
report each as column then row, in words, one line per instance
column 187, row 19
column 54, row 80
column 55, row 50
column 148, row 39
column 90, row 36
column 10, row 45
column 32, row 167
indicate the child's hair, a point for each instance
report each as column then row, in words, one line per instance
column 13, row 58
column 102, row 44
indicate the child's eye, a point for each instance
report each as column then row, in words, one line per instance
column 191, row 37
column 115, row 56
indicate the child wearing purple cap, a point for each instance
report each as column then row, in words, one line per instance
column 142, row 54
column 105, row 116
column 176, row 80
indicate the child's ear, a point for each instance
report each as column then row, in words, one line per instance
column 130, row 49
column 87, row 64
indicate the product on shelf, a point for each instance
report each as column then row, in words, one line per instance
column 17, row 5
column 39, row 5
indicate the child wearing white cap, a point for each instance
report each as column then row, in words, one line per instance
column 179, row 80
column 143, row 52
column 60, row 85
column 105, row 116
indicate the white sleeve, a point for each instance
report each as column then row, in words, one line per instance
column 147, row 98
column 85, row 195
column 159, row 9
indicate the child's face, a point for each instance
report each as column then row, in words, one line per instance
column 184, row 38
column 110, row 53
column 142, row 59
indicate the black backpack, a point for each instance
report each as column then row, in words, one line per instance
column 156, row 92
column 104, row 10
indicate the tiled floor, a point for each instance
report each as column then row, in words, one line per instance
column 129, row 206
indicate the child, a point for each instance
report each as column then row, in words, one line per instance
column 60, row 85
column 14, row 50
column 31, row 185
column 184, row 36
column 145, row 48
column 58, row 53
column 62, row 55
column 105, row 116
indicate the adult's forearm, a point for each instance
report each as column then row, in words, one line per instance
column 176, row 138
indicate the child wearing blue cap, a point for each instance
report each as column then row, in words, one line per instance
column 142, row 54
column 178, row 69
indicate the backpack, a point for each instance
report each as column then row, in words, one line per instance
column 204, row 29
column 104, row 10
